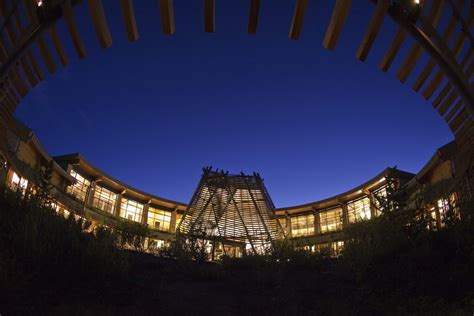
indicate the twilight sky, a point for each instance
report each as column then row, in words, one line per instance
column 313, row 123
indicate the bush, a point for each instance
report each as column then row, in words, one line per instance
column 41, row 250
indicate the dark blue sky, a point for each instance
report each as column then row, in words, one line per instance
column 312, row 122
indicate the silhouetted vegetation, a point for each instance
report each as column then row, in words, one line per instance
column 392, row 264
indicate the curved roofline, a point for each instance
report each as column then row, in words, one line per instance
column 354, row 192
column 67, row 158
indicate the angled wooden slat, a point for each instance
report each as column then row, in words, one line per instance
column 453, row 111
column 30, row 11
column 416, row 51
column 10, row 31
column 439, row 76
column 19, row 83
column 36, row 67
column 336, row 24
column 448, row 32
column 30, row 75
column 128, row 14
column 96, row 10
column 58, row 45
column 209, row 16
column 443, row 93
column 13, row 27
column 458, row 120
column 26, row 59
column 298, row 18
column 167, row 17
column 374, row 28
column 74, row 30
column 447, row 103
column 253, row 16
column 45, row 54
column 461, row 39
column 392, row 51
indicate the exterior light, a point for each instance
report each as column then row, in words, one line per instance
column 382, row 180
column 416, row 1
column 39, row 3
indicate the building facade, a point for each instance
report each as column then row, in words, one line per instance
column 79, row 188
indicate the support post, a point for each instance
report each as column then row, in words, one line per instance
column 345, row 215
column 317, row 226
column 89, row 200
column 118, row 203
column 145, row 213
column 173, row 223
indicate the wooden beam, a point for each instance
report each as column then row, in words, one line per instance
column 374, row 28
column 444, row 92
column 447, row 103
column 415, row 53
column 336, row 24
column 209, row 16
column 439, row 76
column 128, row 14
column 392, row 51
column 253, row 16
column 453, row 111
column 58, row 45
column 426, row 72
column 298, row 18
column 36, row 67
column 96, row 10
column 458, row 120
column 46, row 55
column 74, row 30
column 167, row 17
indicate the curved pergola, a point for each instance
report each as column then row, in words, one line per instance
column 444, row 79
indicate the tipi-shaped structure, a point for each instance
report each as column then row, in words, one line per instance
column 232, row 209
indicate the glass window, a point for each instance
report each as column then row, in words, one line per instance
column 380, row 200
column 302, row 225
column 159, row 219
column 335, row 247
column 104, row 199
column 330, row 220
column 19, row 182
column 358, row 210
column 131, row 210
column 78, row 189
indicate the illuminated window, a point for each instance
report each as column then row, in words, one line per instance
column 19, row 182
column 131, row 210
column 330, row 220
column 79, row 189
column 380, row 200
column 179, row 217
column 104, row 199
column 302, row 225
column 159, row 219
column 282, row 222
column 156, row 244
column 358, row 210
column 334, row 247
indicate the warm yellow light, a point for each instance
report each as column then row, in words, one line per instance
column 417, row 1
column 39, row 3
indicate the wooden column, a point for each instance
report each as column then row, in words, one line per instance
column 89, row 200
column 288, row 225
column 173, row 224
column 345, row 215
column 145, row 213
column 118, row 203
column 317, row 226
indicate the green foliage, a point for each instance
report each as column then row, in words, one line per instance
column 131, row 235
column 39, row 248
